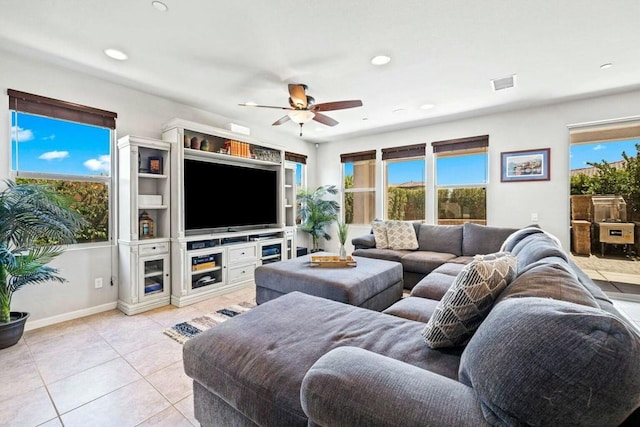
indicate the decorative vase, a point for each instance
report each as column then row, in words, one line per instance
column 10, row 333
column 343, row 252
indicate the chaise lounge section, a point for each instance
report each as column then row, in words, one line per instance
column 551, row 350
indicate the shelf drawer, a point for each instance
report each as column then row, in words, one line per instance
column 242, row 253
column 154, row 248
column 241, row 273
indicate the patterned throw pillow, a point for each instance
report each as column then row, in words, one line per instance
column 402, row 235
column 468, row 301
column 380, row 233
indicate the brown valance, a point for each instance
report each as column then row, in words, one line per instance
column 605, row 133
column 293, row 157
column 470, row 143
column 416, row 150
column 355, row 157
column 49, row 107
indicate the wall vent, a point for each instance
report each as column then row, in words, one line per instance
column 503, row 83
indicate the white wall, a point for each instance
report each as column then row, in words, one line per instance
column 508, row 204
column 138, row 114
column 511, row 203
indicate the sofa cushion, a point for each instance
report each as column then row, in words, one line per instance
column 424, row 261
column 536, row 361
column 435, row 284
column 386, row 254
column 483, row 239
column 440, row 238
column 401, row 235
column 413, row 308
column 549, row 280
column 379, row 229
column 468, row 300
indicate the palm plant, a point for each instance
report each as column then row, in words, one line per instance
column 317, row 213
column 34, row 221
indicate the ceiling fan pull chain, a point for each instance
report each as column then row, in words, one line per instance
column 301, row 129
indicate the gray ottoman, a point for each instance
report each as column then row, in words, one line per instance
column 373, row 283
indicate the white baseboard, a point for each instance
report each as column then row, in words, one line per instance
column 48, row 321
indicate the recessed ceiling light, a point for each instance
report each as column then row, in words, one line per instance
column 160, row 6
column 427, row 106
column 605, row 66
column 399, row 110
column 380, row 60
column 116, row 54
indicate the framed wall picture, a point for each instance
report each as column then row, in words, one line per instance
column 525, row 165
column 155, row 164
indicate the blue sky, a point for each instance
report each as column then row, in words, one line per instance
column 609, row 151
column 56, row 146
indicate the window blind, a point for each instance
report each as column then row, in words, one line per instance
column 63, row 110
column 361, row 155
column 293, row 157
column 406, row 151
column 460, row 144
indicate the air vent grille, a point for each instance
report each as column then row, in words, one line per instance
column 503, row 83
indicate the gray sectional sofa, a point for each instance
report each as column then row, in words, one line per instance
column 552, row 351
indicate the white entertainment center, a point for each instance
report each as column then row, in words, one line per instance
column 209, row 228
column 232, row 253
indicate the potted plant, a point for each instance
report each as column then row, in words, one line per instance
column 343, row 232
column 317, row 213
column 34, row 221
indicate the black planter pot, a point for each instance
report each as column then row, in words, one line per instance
column 10, row 333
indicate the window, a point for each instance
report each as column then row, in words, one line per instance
column 359, row 193
column 605, row 160
column 404, row 197
column 461, row 179
column 68, row 147
column 299, row 163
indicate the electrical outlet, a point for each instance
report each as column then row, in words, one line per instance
column 534, row 217
column 98, row 283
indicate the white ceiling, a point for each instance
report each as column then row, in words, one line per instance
column 214, row 55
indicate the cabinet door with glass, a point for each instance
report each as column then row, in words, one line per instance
column 154, row 277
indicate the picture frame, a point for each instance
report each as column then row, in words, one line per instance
column 155, row 165
column 525, row 165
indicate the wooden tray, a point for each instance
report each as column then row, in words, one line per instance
column 331, row 261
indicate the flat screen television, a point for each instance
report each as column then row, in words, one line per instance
column 223, row 197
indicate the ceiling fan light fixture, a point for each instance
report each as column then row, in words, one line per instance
column 301, row 116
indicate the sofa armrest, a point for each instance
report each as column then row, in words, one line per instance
column 368, row 241
column 353, row 386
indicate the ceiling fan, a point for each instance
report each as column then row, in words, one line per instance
column 302, row 107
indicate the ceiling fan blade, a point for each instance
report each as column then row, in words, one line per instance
column 298, row 95
column 281, row 120
column 338, row 105
column 265, row 106
column 325, row 120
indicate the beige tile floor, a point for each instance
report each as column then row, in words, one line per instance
column 110, row 369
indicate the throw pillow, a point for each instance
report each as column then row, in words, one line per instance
column 468, row 301
column 402, row 235
column 489, row 257
column 380, row 233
